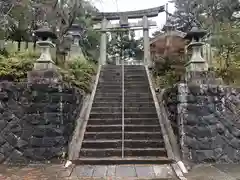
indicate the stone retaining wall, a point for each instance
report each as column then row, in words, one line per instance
column 208, row 118
column 36, row 120
column 170, row 99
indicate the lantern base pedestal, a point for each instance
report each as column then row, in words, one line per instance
column 202, row 77
column 44, row 76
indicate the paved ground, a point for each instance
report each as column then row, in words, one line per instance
column 215, row 172
column 129, row 172
column 57, row 172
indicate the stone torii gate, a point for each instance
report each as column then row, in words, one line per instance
column 145, row 24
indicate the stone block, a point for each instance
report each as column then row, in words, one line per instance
column 17, row 157
column 6, row 149
column 36, row 142
column 43, row 76
column 35, row 154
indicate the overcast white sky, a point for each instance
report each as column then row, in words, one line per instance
column 130, row 5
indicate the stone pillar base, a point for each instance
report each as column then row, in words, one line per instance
column 42, row 66
column 44, row 76
column 202, row 77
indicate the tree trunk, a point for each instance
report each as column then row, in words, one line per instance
column 26, row 45
column 34, row 45
column 19, row 45
column 59, row 56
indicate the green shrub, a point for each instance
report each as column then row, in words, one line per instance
column 15, row 67
column 79, row 73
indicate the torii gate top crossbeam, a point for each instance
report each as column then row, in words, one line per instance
column 151, row 12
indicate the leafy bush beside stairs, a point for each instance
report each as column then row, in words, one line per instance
column 14, row 67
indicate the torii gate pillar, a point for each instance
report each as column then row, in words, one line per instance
column 103, row 43
column 147, row 60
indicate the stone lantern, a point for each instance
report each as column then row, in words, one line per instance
column 45, row 36
column 75, row 49
column 197, row 63
column 67, row 42
column 75, row 32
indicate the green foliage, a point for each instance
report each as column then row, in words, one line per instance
column 125, row 45
column 79, row 73
column 15, row 66
column 167, row 79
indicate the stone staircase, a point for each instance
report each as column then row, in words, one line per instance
column 114, row 137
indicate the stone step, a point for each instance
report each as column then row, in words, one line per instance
column 102, row 135
column 111, row 84
column 136, row 89
column 127, row 128
column 142, row 135
column 118, row 135
column 110, row 80
column 136, row 100
column 111, row 72
column 134, row 67
column 119, row 100
column 126, row 110
column 100, row 152
column 135, row 78
column 104, row 115
column 106, row 110
column 135, row 75
column 140, row 115
column 145, row 97
column 116, row 72
column 129, row 121
column 101, row 144
column 127, row 152
column 108, row 95
column 135, row 82
column 126, row 104
column 125, row 160
column 134, row 70
column 138, row 95
column 114, row 143
column 156, row 143
column 103, row 128
column 142, row 128
column 107, row 100
column 140, row 109
column 107, row 68
column 106, row 90
column 105, row 122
